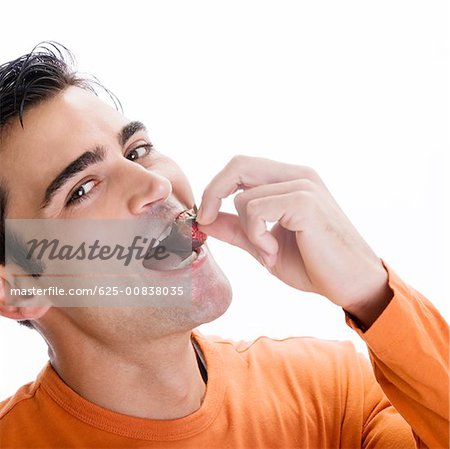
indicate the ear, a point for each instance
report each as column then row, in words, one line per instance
column 9, row 310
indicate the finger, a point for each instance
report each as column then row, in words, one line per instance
column 227, row 228
column 288, row 209
column 242, row 199
column 244, row 172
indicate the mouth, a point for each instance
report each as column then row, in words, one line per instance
column 178, row 246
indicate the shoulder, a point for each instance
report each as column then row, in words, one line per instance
column 305, row 354
column 22, row 398
column 296, row 369
column 24, row 401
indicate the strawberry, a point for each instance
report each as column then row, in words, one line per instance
column 198, row 237
column 187, row 218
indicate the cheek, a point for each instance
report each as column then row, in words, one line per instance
column 182, row 190
column 180, row 184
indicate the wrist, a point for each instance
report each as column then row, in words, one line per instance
column 368, row 309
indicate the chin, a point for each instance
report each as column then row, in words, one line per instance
column 211, row 290
column 210, row 297
column 210, row 308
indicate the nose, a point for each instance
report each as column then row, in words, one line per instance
column 145, row 188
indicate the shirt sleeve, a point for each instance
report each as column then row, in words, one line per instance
column 408, row 347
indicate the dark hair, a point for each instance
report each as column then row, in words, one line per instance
column 28, row 81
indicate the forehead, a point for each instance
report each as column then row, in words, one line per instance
column 55, row 133
column 71, row 116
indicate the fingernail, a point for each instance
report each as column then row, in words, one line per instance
column 261, row 260
column 200, row 214
column 269, row 260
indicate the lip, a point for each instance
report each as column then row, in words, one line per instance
column 195, row 265
column 200, row 259
column 174, row 214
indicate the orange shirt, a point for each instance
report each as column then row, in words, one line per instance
column 299, row 392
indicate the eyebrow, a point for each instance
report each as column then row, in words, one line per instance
column 87, row 159
column 129, row 130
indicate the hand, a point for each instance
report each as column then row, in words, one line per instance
column 312, row 246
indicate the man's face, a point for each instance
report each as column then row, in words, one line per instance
column 79, row 158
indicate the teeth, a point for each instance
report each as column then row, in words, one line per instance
column 164, row 234
column 157, row 242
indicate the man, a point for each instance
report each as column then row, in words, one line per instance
column 144, row 377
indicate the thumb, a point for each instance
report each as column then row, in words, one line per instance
column 227, row 227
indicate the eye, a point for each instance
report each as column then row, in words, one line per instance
column 80, row 193
column 139, row 152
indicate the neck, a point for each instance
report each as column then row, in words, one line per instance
column 157, row 380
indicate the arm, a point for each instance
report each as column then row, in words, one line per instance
column 383, row 426
column 314, row 247
column 409, row 351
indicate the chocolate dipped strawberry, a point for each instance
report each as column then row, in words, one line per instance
column 179, row 243
column 186, row 223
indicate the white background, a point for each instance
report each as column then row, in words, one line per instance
column 358, row 90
